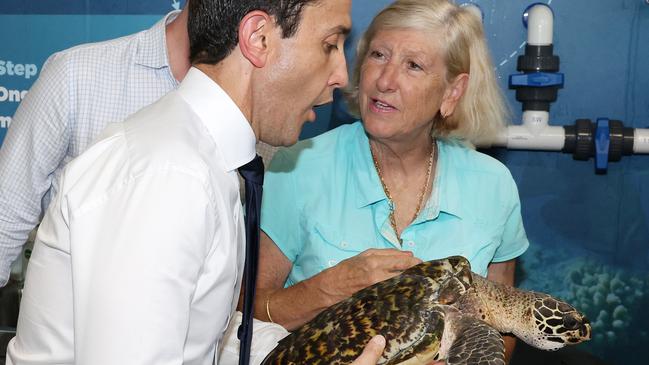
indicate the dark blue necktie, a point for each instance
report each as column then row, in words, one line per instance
column 253, row 176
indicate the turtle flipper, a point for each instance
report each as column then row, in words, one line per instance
column 476, row 343
column 424, row 349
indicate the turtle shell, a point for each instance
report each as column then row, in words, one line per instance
column 404, row 309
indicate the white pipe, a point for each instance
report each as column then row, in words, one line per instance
column 533, row 134
column 548, row 139
column 535, row 119
column 536, row 134
column 640, row 140
column 539, row 25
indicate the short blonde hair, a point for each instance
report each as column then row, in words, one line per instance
column 482, row 111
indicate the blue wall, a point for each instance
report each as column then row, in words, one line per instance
column 589, row 233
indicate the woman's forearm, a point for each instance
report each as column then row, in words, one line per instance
column 294, row 306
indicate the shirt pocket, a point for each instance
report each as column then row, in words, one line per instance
column 327, row 247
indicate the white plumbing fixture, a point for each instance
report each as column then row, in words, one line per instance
column 641, row 140
column 540, row 23
column 534, row 134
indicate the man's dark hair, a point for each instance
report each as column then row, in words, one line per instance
column 213, row 25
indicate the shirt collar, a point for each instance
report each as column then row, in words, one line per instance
column 224, row 120
column 152, row 45
column 446, row 189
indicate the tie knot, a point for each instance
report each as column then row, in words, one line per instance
column 253, row 171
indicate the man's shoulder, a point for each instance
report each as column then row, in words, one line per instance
column 167, row 131
column 161, row 138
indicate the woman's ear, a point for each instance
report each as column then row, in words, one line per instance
column 453, row 93
column 254, row 34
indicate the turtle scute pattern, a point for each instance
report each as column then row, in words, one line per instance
column 401, row 306
column 339, row 334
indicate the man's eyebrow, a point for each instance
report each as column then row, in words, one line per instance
column 340, row 29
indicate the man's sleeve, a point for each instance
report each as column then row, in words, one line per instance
column 136, row 260
column 35, row 145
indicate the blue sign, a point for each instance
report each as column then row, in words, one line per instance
column 33, row 30
column 89, row 7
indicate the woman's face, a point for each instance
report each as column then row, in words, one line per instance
column 402, row 85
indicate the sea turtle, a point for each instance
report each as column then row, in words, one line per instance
column 436, row 310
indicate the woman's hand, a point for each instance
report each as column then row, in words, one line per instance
column 292, row 307
column 365, row 269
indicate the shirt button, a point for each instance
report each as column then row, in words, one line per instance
column 411, row 244
column 332, row 263
column 343, row 244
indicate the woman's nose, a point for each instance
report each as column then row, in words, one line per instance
column 387, row 80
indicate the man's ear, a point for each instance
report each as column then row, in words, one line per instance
column 453, row 94
column 254, row 31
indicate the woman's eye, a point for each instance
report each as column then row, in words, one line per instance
column 376, row 54
column 414, row 66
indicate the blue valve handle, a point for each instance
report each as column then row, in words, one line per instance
column 536, row 79
column 602, row 144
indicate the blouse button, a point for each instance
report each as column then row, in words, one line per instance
column 343, row 244
column 411, row 244
column 332, row 263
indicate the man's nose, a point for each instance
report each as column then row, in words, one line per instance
column 339, row 77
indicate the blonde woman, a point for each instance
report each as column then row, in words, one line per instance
column 365, row 201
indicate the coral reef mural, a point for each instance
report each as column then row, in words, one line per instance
column 614, row 298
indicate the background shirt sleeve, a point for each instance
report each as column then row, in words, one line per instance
column 33, row 148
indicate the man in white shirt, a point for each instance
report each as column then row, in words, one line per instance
column 79, row 91
column 138, row 259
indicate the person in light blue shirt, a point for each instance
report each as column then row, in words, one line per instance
column 330, row 192
column 365, row 201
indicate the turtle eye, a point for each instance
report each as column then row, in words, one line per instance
column 570, row 322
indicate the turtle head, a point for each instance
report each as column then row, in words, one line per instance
column 554, row 324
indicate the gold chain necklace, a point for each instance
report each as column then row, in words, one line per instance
column 393, row 221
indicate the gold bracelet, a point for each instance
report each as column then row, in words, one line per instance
column 268, row 309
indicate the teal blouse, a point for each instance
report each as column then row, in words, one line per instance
column 323, row 202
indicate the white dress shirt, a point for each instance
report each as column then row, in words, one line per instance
column 138, row 259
